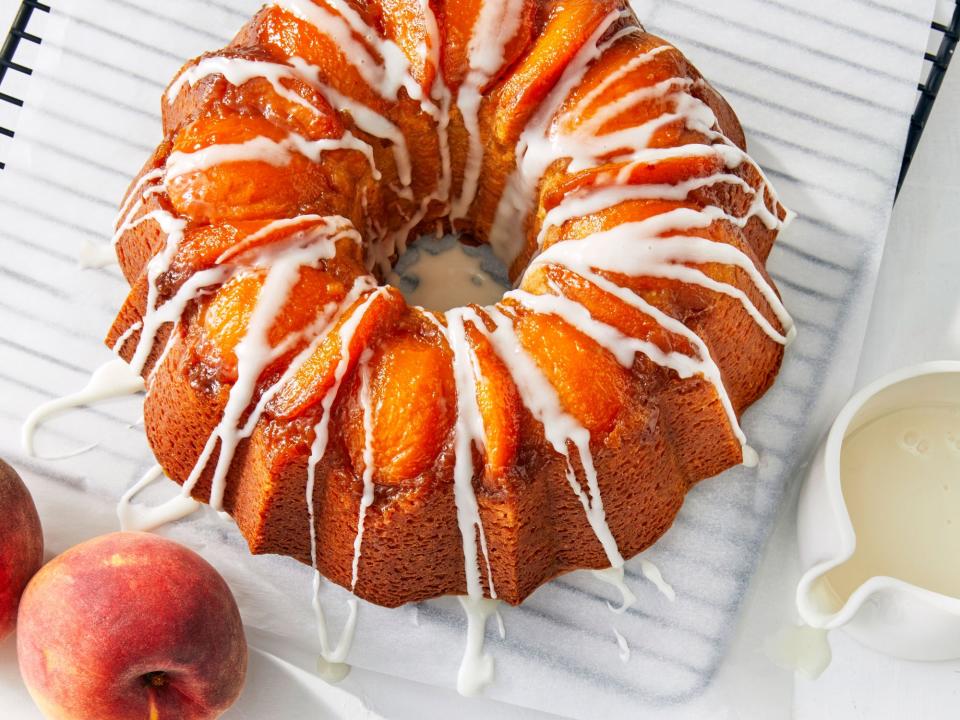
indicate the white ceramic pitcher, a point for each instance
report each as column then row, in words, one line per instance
column 885, row 613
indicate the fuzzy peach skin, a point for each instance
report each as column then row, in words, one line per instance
column 21, row 544
column 129, row 626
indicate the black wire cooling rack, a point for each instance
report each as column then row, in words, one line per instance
column 18, row 33
column 929, row 88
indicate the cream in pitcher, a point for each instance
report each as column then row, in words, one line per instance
column 900, row 476
column 879, row 517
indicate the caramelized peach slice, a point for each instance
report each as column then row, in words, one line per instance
column 286, row 35
column 202, row 245
column 499, row 404
column 628, row 211
column 669, row 171
column 591, row 384
column 226, row 318
column 609, row 309
column 605, row 87
column 315, row 377
column 244, row 189
column 405, row 22
column 311, row 115
column 459, row 21
column 261, row 235
column 412, row 393
column 206, row 245
column 566, row 31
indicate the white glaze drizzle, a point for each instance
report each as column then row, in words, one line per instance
column 800, row 648
column 623, row 648
column 366, row 119
column 386, row 78
column 586, row 147
column 96, row 255
column 559, row 427
column 112, row 379
column 145, row 519
column 597, row 199
column 637, row 249
column 254, row 351
column 495, row 26
column 386, row 74
column 394, row 243
column 707, row 368
column 134, row 201
column 237, row 71
column 517, row 198
column 468, row 432
column 156, row 315
column 330, row 665
column 652, row 573
column 501, row 628
column 476, row 668
column 338, row 25
column 136, row 192
column 318, row 448
column 266, row 150
column 366, row 497
column 622, row 347
column 614, row 576
column 631, row 65
column 124, row 336
column 442, row 99
column 586, row 143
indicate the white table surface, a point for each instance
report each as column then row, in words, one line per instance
column 915, row 317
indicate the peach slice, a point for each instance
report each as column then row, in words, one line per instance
column 459, row 20
column 627, row 211
column 258, row 238
column 669, row 171
column 566, row 31
column 226, row 318
column 591, row 384
column 286, row 35
column 206, row 245
column 202, row 245
column 413, row 403
column 499, row 404
column 663, row 69
column 257, row 96
column 405, row 22
column 244, row 189
column 609, row 309
column 315, row 377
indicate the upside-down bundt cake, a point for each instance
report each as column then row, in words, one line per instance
column 410, row 453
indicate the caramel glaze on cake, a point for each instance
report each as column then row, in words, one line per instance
column 481, row 450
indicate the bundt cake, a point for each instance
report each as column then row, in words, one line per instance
column 405, row 452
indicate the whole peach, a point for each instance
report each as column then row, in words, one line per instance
column 21, row 544
column 128, row 626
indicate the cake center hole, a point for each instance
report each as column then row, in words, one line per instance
column 443, row 273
